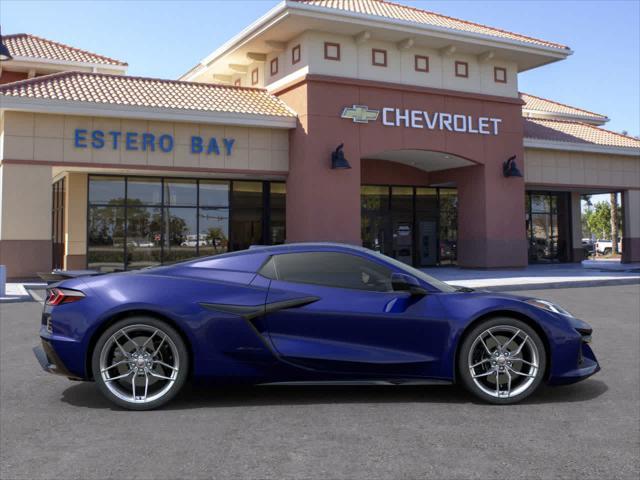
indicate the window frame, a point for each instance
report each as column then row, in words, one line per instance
column 296, row 54
column 417, row 58
column 273, row 66
column 327, row 45
column 465, row 65
column 272, row 260
column 375, row 51
column 495, row 74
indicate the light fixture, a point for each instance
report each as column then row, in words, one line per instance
column 510, row 169
column 4, row 51
column 338, row 162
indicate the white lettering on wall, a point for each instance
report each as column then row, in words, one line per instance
column 402, row 117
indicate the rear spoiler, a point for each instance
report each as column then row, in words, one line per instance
column 59, row 275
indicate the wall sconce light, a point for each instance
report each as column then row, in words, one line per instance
column 510, row 169
column 338, row 162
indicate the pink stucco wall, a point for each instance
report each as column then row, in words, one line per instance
column 324, row 204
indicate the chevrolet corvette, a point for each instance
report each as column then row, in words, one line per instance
column 303, row 313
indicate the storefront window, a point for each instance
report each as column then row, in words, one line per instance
column 136, row 222
column 277, row 215
column 375, row 217
column 106, row 238
column 246, row 216
column 448, row 228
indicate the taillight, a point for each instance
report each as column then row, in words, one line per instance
column 58, row 296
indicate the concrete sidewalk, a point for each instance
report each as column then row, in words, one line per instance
column 533, row 276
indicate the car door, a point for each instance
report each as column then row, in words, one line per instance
column 344, row 317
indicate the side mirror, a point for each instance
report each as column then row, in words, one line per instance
column 402, row 282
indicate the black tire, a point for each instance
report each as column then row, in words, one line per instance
column 464, row 372
column 161, row 326
column 607, row 251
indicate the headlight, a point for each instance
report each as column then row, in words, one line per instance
column 551, row 307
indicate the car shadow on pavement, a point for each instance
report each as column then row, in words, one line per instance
column 86, row 395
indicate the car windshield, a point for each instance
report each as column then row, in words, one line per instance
column 440, row 285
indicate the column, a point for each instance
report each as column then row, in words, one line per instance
column 75, row 221
column 491, row 219
column 631, row 239
column 577, row 252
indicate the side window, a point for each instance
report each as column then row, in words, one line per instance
column 332, row 269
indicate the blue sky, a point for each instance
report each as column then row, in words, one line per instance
column 166, row 38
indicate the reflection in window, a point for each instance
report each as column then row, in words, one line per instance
column 214, row 193
column 333, row 269
column 144, row 191
column 214, row 230
column 246, row 214
column 180, row 234
column 144, row 235
column 172, row 219
column 180, row 193
column 106, row 190
column 277, row 216
column 105, row 243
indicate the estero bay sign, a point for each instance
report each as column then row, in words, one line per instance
column 136, row 141
column 403, row 117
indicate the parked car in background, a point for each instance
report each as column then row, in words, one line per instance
column 605, row 247
column 193, row 240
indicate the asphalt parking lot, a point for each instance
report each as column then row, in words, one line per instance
column 54, row 428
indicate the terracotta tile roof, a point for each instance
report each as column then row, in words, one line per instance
column 575, row 132
column 148, row 92
column 545, row 105
column 395, row 11
column 27, row 45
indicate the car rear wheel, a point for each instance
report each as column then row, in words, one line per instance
column 140, row 363
column 502, row 360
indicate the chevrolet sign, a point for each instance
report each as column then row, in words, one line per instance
column 397, row 117
column 360, row 114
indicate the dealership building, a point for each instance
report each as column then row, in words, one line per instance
column 366, row 122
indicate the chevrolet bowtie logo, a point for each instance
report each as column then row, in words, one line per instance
column 360, row 114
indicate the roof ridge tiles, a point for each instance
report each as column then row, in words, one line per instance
column 64, row 45
column 599, row 115
column 126, row 77
column 455, row 19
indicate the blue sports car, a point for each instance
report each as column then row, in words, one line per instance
column 303, row 313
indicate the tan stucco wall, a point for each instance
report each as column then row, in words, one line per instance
column 50, row 138
column 25, row 201
column 75, row 213
column 554, row 167
column 355, row 62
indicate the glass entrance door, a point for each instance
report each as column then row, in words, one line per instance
column 416, row 225
column 548, row 229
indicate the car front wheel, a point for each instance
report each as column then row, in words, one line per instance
column 502, row 360
column 140, row 363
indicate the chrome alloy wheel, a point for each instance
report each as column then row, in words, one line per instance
column 139, row 363
column 504, row 361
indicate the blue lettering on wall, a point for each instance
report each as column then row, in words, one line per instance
column 213, row 147
column 80, row 138
column 228, row 144
column 165, row 142
column 196, row 144
column 132, row 141
column 97, row 139
column 115, row 136
column 147, row 142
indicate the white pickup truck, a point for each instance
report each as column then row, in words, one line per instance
column 605, row 247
